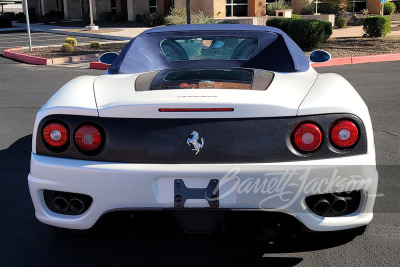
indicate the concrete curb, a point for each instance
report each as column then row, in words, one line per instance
column 99, row 66
column 358, row 60
column 14, row 29
column 9, row 53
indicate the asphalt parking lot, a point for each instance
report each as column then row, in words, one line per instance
column 20, row 39
column 26, row 242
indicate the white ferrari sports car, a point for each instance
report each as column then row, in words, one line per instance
column 201, row 120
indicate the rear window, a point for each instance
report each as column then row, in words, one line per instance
column 209, row 48
column 236, row 78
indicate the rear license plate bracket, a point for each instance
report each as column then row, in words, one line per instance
column 183, row 193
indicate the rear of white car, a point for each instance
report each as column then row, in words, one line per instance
column 302, row 147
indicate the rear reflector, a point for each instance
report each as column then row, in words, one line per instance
column 195, row 109
column 88, row 138
column 55, row 134
column 344, row 133
column 307, row 137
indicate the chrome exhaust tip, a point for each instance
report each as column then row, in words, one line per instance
column 76, row 205
column 339, row 205
column 60, row 203
column 322, row 207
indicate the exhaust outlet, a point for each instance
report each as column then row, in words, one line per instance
column 322, row 207
column 60, row 203
column 76, row 205
column 339, row 205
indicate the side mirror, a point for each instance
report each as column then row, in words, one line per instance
column 108, row 58
column 319, row 56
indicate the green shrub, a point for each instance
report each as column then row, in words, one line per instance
column 138, row 18
column 67, row 48
column 152, row 19
column 178, row 17
column 308, row 8
column 200, row 18
column 280, row 23
column 71, row 41
column 281, row 4
column 308, row 34
column 295, row 16
column 120, row 17
column 342, row 22
column 5, row 22
column 53, row 15
column 328, row 8
column 95, row 44
column 376, row 26
column 19, row 15
column 388, row 8
column 10, row 15
column 32, row 16
column 398, row 5
column 328, row 28
column 106, row 16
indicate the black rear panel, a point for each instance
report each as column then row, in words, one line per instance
column 247, row 140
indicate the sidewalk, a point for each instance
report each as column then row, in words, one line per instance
column 357, row 31
column 120, row 34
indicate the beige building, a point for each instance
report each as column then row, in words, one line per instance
column 73, row 9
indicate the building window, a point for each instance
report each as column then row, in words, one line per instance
column 356, row 5
column 237, row 8
column 153, row 6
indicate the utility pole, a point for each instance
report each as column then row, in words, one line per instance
column 91, row 27
column 188, row 12
column 28, row 27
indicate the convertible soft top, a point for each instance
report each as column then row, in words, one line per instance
column 275, row 50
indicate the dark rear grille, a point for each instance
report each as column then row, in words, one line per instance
column 246, row 140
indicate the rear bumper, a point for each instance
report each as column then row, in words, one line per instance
column 278, row 187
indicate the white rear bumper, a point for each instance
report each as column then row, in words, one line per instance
column 279, row 187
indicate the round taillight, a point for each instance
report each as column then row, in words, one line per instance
column 307, row 137
column 88, row 137
column 55, row 134
column 344, row 133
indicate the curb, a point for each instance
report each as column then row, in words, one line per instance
column 12, row 30
column 99, row 66
column 25, row 58
column 358, row 60
column 9, row 53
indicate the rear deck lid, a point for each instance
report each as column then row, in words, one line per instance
column 234, row 93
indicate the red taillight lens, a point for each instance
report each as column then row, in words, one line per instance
column 307, row 137
column 344, row 133
column 88, row 137
column 55, row 134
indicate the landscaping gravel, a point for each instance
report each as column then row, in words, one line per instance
column 55, row 52
column 360, row 46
